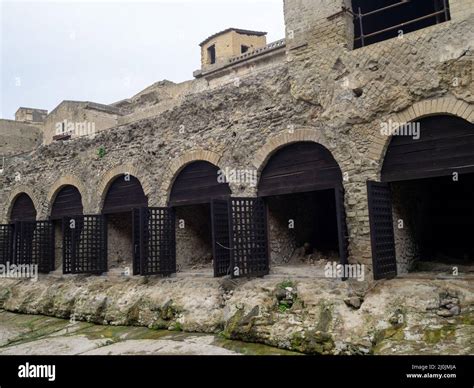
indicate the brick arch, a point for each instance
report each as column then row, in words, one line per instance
column 67, row 180
column 108, row 178
column 276, row 143
column 180, row 163
column 17, row 190
column 440, row 106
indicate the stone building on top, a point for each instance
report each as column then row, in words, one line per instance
column 350, row 141
column 232, row 42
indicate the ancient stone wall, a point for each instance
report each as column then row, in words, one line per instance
column 119, row 241
column 193, row 237
column 405, row 201
column 31, row 115
column 324, row 91
column 354, row 91
column 18, row 137
column 81, row 116
column 282, row 239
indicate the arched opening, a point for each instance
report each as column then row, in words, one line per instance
column 124, row 194
column 23, row 209
column 67, row 203
column 18, row 239
column 302, row 186
column 429, row 168
column 193, row 190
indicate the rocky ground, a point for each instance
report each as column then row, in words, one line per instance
column 302, row 314
column 39, row 335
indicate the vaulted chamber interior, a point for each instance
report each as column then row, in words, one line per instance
column 431, row 180
column 67, row 203
column 438, row 222
column 303, row 226
column 300, row 184
column 124, row 194
column 196, row 185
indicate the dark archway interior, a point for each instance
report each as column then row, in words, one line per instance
column 445, row 145
column 298, row 183
column 308, row 220
column 191, row 195
column 408, row 11
column 124, row 194
column 297, row 168
column 67, row 203
column 23, row 209
column 193, row 236
column 440, row 213
column 198, row 182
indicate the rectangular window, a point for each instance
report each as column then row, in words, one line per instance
column 211, row 54
column 379, row 20
column 244, row 49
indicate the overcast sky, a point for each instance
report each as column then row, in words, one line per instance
column 110, row 50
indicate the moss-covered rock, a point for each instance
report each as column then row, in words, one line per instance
column 434, row 336
column 312, row 342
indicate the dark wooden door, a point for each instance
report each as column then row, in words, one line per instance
column 381, row 228
column 124, row 195
column 6, row 243
column 155, row 241
column 198, row 183
column 43, row 246
column 298, row 168
column 85, row 245
column 136, row 225
column 23, row 209
column 33, row 244
column 249, row 237
column 221, row 237
column 445, row 146
column 342, row 233
column 23, row 242
column 68, row 202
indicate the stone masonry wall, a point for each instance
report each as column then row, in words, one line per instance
column 193, row 235
column 282, row 239
column 405, row 201
column 353, row 91
column 18, row 137
column 119, row 240
column 324, row 92
column 76, row 113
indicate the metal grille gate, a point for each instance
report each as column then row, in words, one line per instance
column 85, row 245
column 43, row 246
column 249, row 238
column 221, row 249
column 240, row 239
column 342, row 233
column 136, row 241
column 381, row 227
column 33, row 244
column 6, row 243
column 154, row 236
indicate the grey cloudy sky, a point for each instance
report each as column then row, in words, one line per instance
column 110, row 50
